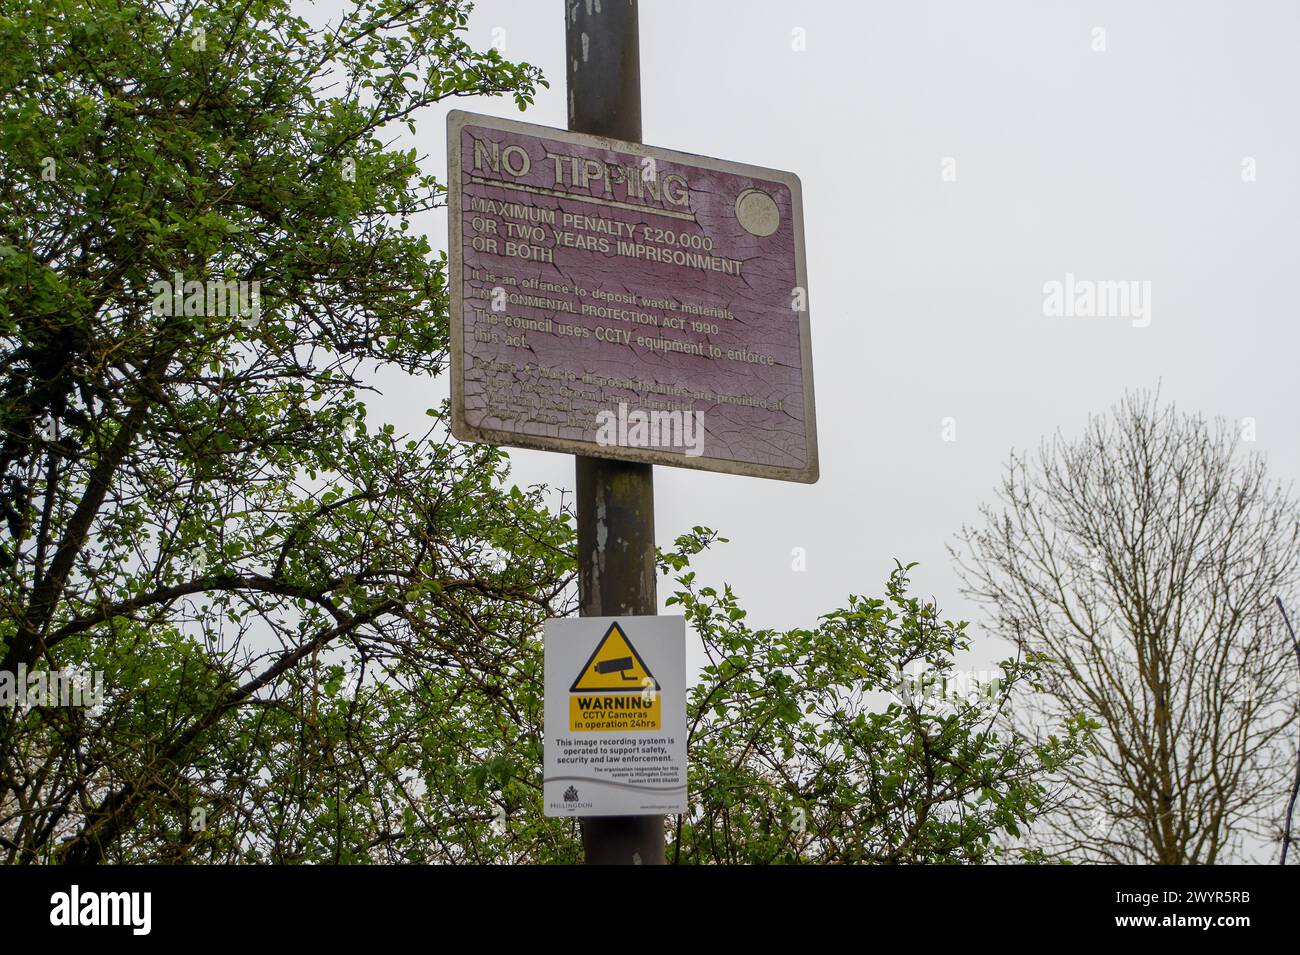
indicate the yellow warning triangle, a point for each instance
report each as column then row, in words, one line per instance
column 613, row 665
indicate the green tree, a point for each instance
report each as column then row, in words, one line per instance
column 193, row 502
column 856, row 741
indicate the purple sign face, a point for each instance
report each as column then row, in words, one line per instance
column 617, row 300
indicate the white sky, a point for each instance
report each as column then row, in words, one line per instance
column 926, row 297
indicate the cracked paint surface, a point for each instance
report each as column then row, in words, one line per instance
column 698, row 287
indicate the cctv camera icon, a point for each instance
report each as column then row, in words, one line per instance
column 619, row 666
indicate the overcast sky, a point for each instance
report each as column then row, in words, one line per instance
column 926, row 295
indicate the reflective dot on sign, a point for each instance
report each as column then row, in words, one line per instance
column 757, row 212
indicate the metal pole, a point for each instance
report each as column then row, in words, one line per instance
column 616, row 514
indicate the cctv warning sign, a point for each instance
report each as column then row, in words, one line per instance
column 615, row 690
column 614, row 665
column 615, row 716
column 609, row 714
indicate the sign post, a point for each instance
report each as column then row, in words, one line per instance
column 616, row 499
column 632, row 306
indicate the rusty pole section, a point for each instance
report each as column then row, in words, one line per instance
column 616, row 508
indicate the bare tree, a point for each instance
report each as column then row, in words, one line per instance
column 1143, row 560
